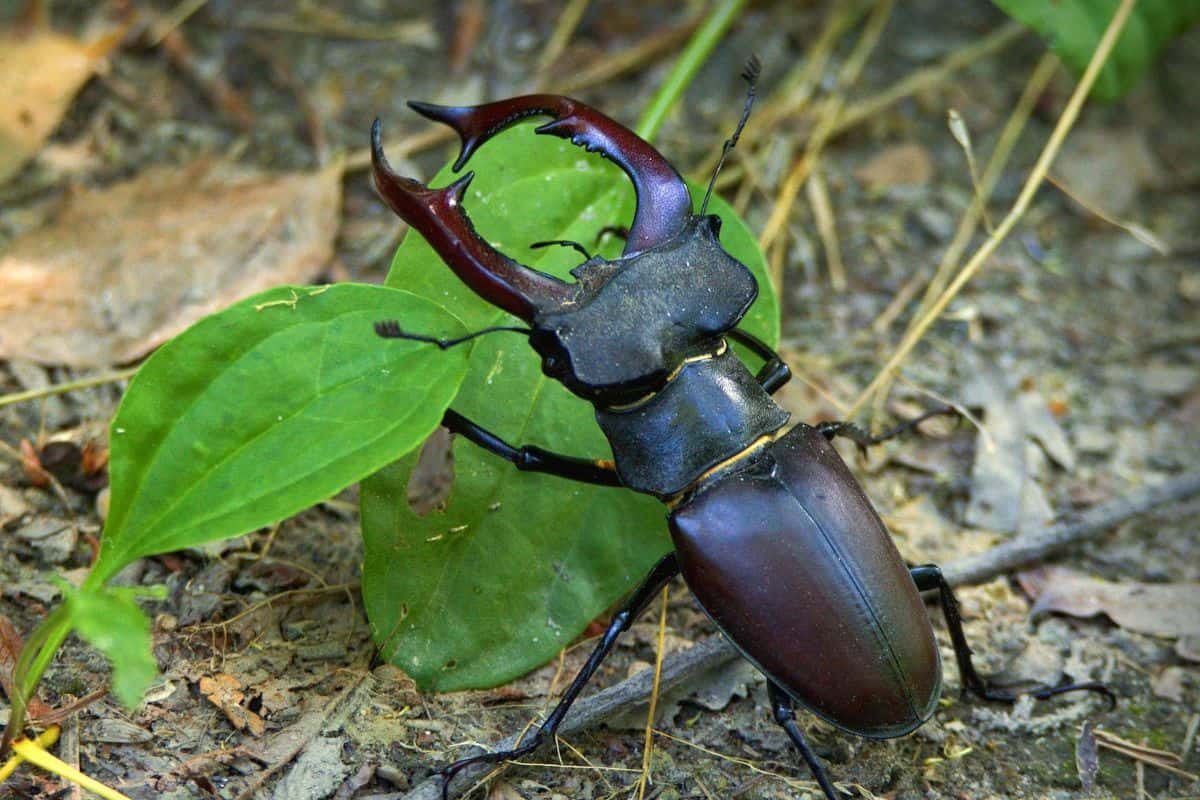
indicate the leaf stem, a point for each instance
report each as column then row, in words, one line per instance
column 35, row 657
column 698, row 48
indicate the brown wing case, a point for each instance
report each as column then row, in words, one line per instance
column 791, row 561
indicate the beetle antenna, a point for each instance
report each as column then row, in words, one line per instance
column 750, row 75
column 390, row 329
column 562, row 243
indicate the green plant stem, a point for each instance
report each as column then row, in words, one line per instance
column 35, row 657
column 698, row 48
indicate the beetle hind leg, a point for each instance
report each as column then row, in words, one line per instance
column 929, row 577
column 663, row 572
column 783, row 707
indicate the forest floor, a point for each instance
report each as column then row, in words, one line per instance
column 1078, row 346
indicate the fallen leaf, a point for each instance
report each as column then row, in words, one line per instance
column 124, row 268
column 902, row 165
column 40, row 73
column 225, row 692
column 1160, row 609
column 1019, row 432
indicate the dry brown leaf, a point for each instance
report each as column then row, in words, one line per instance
column 40, row 73
column 225, row 692
column 1161, row 609
column 901, row 165
column 124, row 268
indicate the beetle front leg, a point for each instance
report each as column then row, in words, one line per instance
column 783, row 706
column 929, row 577
column 529, row 458
column 774, row 373
column 663, row 572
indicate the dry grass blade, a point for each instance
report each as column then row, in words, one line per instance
column 1036, row 177
column 1160, row 759
column 826, row 121
column 648, row 746
column 568, row 21
column 1132, row 228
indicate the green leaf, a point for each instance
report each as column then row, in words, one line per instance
column 110, row 620
column 516, row 564
column 1074, row 28
column 268, row 407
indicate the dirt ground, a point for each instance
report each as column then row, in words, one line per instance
column 1078, row 336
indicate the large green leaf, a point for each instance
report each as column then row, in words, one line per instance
column 1074, row 28
column 265, row 408
column 516, row 564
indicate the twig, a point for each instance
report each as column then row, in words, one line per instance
column 1088, row 525
column 69, row 386
column 715, row 651
column 677, row 669
column 928, row 77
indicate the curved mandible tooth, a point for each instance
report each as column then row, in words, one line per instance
column 664, row 205
column 439, row 217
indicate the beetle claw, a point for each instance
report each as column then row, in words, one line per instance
column 438, row 215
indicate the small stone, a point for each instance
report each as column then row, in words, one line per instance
column 13, row 505
column 1169, row 380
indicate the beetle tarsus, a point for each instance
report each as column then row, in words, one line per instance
column 390, row 329
column 929, row 577
column 864, row 440
column 782, row 706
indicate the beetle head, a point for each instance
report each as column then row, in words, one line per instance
column 636, row 320
column 623, row 327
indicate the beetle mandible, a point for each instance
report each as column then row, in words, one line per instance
column 772, row 533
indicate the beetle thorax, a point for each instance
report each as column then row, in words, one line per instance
column 634, row 321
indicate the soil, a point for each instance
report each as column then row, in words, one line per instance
column 269, row 687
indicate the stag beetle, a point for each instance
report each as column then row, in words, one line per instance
column 774, row 536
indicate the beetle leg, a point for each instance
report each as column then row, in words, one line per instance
column 529, row 458
column 863, row 439
column 782, row 705
column 774, row 373
column 663, row 572
column 929, row 577
column 663, row 203
column 438, row 215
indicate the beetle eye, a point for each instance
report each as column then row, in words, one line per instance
column 714, row 224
